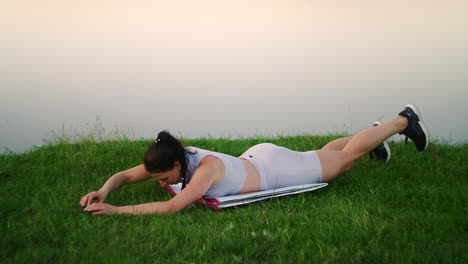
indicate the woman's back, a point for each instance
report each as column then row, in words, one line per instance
column 234, row 171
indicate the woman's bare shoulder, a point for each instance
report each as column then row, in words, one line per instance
column 210, row 160
column 212, row 168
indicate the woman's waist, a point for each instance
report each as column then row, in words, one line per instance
column 252, row 177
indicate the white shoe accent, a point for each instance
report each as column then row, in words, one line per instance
column 386, row 146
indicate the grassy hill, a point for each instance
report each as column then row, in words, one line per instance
column 412, row 209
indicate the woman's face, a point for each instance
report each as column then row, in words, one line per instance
column 171, row 176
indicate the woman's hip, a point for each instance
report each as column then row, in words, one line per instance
column 281, row 167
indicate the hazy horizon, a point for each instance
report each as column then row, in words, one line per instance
column 229, row 68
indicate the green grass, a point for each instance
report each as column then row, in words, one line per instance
column 413, row 209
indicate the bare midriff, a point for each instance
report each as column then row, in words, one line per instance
column 252, row 178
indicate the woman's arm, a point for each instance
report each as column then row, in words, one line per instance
column 202, row 179
column 194, row 191
column 135, row 174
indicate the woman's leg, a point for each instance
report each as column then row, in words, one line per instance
column 369, row 139
column 408, row 123
column 335, row 162
column 337, row 144
column 381, row 152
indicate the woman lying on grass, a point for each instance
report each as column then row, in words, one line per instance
column 262, row 167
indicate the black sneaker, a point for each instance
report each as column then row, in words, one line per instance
column 382, row 152
column 416, row 130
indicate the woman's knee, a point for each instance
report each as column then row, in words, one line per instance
column 346, row 166
column 337, row 144
column 334, row 163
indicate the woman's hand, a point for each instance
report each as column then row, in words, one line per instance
column 88, row 199
column 102, row 209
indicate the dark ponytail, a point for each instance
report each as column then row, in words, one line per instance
column 163, row 152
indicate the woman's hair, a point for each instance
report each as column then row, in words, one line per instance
column 163, row 152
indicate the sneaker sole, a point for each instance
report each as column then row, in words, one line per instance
column 387, row 147
column 420, row 122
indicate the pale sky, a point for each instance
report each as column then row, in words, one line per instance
column 229, row 68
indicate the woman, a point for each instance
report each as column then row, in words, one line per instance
column 262, row 167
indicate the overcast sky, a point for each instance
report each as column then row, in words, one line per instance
column 229, row 68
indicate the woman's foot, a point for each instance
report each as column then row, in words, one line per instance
column 415, row 130
column 382, row 152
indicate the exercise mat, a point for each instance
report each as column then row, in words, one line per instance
column 246, row 198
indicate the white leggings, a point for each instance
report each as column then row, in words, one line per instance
column 281, row 167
